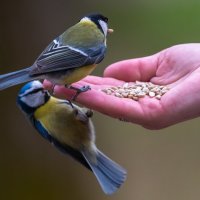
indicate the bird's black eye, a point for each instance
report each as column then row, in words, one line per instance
column 105, row 19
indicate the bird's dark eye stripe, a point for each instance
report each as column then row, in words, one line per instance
column 31, row 92
column 36, row 90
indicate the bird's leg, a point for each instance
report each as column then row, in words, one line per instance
column 84, row 88
column 52, row 89
column 70, row 103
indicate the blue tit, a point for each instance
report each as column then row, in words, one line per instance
column 69, row 57
column 71, row 130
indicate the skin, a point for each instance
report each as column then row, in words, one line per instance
column 177, row 66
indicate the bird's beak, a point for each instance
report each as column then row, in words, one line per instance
column 110, row 30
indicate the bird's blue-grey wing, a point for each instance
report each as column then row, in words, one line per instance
column 58, row 57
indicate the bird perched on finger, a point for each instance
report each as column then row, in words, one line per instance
column 71, row 130
column 69, row 57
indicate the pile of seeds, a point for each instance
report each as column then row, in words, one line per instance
column 137, row 90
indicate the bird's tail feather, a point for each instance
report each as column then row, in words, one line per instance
column 109, row 174
column 14, row 78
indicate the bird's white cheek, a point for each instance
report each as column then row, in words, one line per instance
column 104, row 27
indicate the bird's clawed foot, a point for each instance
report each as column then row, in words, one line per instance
column 84, row 88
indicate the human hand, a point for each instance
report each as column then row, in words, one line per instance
column 178, row 67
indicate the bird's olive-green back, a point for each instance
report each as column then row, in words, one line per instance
column 84, row 34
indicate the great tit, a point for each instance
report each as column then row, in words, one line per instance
column 68, row 58
column 71, row 130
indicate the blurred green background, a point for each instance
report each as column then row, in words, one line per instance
column 161, row 164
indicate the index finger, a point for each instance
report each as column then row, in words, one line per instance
column 109, row 105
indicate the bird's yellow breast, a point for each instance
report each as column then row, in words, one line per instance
column 78, row 74
column 60, row 122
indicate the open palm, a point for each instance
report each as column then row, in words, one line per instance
column 178, row 67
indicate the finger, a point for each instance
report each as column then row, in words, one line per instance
column 95, row 80
column 110, row 105
column 68, row 93
column 142, row 69
column 47, row 85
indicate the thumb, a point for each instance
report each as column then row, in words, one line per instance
column 142, row 69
